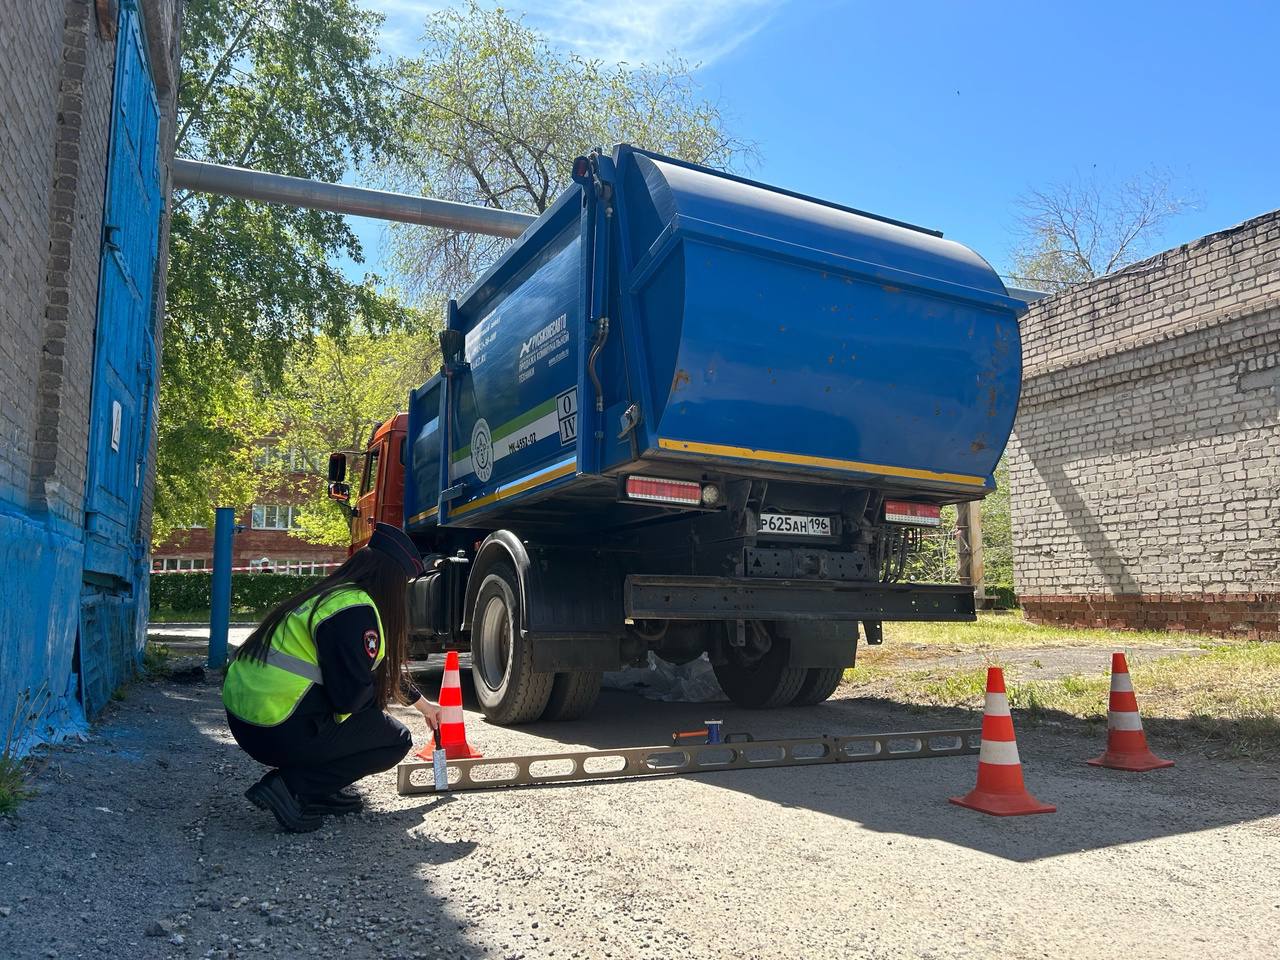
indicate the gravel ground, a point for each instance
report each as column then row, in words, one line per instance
column 140, row 844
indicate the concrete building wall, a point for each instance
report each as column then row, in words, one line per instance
column 1145, row 464
column 57, row 63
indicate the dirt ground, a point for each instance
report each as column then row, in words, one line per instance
column 140, row 844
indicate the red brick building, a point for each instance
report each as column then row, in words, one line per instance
column 264, row 542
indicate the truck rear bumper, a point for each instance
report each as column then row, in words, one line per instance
column 650, row 597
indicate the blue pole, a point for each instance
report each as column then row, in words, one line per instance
column 220, row 609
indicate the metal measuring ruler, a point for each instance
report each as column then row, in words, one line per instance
column 494, row 773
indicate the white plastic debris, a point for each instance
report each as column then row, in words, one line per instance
column 692, row 682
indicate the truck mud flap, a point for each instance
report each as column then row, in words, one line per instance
column 741, row 598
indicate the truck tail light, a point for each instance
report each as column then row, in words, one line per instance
column 656, row 490
column 915, row 514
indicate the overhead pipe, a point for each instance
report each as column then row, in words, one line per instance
column 341, row 198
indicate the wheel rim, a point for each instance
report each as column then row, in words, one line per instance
column 495, row 643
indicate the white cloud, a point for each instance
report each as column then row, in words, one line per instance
column 701, row 31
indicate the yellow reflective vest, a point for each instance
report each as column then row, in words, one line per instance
column 266, row 694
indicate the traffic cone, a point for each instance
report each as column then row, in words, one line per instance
column 1000, row 790
column 453, row 733
column 1126, row 743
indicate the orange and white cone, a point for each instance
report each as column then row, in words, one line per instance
column 453, row 732
column 1000, row 790
column 1126, row 743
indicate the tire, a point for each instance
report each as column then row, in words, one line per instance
column 509, row 690
column 819, row 683
column 572, row 695
column 766, row 683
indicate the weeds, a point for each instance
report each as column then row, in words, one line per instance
column 155, row 660
column 13, row 768
column 1225, row 696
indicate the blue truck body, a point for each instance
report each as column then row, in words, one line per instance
column 749, row 329
column 685, row 414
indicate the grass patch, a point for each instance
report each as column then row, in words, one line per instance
column 155, row 660
column 178, row 616
column 202, row 616
column 14, row 769
column 13, row 784
column 1225, row 697
column 1009, row 628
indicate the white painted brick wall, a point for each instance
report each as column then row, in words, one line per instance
column 1146, row 454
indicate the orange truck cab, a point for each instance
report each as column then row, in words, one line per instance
column 379, row 497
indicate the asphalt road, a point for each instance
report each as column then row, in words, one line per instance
column 140, row 844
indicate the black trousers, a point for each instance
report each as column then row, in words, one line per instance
column 318, row 756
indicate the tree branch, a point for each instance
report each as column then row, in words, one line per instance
column 214, row 74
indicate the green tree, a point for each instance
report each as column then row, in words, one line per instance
column 1081, row 228
column 494, row 114
column 287, row 86
column 331, row 398
column 937, row 560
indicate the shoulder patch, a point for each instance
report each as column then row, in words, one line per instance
column 371, row 643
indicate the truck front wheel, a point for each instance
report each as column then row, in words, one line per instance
column 509, row 689
column 763, row 682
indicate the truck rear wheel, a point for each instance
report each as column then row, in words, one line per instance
column 573, row 695
column 764, row 682
column 819, row 683
column 509, row 689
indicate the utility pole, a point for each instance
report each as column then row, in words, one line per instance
column 969, row 548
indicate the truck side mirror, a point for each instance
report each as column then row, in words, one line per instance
column 339, row 491
column 452, row 346
column 337, row 467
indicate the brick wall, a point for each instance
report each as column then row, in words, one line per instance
column 30, row 61
column 81, row 148
column 1145, row 464
column 57, row 67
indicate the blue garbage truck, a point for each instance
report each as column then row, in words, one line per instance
column 689, row 413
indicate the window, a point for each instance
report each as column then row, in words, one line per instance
column 277, row 456
column 370, row 480
column 275, row 517
column 171, row 564
column 302, row 567
column 298, row 567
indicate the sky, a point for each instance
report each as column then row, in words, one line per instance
column 943, row 113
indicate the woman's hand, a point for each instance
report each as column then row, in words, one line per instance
column 430, row 713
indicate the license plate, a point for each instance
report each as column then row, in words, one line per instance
column 793, row 525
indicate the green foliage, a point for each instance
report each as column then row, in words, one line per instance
column 494, row 114
column 287, row 86
column 332, row 396
column 14, row 768
column 155, row 660
column 251, row 593
column 937, row 562
column 13, row 783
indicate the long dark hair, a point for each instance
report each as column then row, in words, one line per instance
column 382, row 579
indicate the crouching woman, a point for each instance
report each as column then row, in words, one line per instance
column 306, row 693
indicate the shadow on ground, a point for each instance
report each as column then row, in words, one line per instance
column 140, row 843
column 1097, row 808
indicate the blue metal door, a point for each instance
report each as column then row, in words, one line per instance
column 123, row 374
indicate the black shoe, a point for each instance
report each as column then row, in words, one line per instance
column 270, row 793
column 333, row 804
